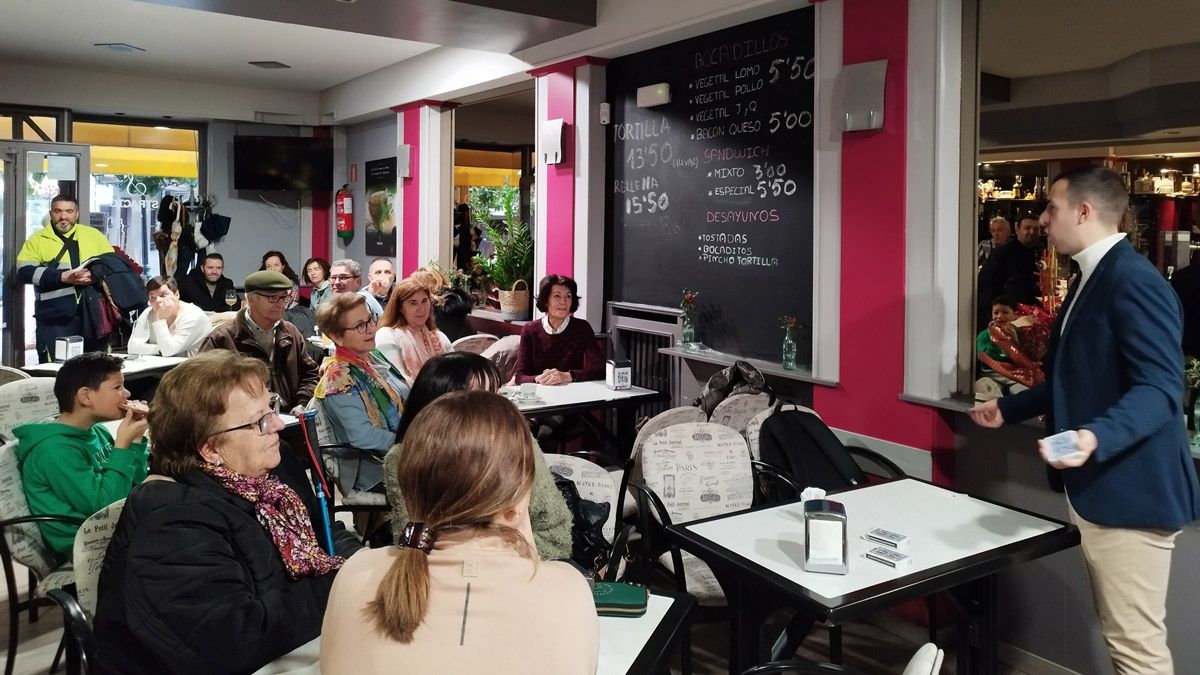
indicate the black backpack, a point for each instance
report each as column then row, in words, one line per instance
column 798, row 443
column 588, row 545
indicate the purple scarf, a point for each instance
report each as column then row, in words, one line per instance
column 281, row 512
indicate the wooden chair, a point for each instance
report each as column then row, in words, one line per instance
column 23, row 401
column 476, row 344
column 21, row 542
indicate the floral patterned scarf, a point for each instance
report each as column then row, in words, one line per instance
column 281, row 512
column 346, row 371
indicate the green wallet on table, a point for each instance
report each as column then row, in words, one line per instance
column 620, row 599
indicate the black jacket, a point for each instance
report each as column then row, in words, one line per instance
column 193, row 584
column 1010, row 270
column 1186, row 282
column 194, row 289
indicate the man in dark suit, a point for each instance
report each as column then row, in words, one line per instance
column 1114, row 374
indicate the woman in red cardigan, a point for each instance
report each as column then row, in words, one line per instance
column 559, row 348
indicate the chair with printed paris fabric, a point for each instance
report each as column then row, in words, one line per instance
column 693, row 471
column 91, row 545
column 25, row 400
column 476, row 344
column 21, row 542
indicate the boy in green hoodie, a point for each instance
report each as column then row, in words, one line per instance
column 74, row 466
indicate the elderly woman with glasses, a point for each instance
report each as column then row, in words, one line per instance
column 215, row 567
column 360, row 392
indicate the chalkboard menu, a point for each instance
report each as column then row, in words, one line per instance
column 713, row 191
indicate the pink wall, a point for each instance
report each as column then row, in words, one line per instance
column 559, row 181
column 410, row 230
column 872, row 289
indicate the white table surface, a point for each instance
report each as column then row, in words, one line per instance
column 621, row 641
column 137, row 364
column 575, row 393
column 944, row 526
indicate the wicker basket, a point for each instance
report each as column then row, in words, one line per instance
column 514, row 304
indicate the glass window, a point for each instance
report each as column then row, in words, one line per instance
column 133, row 167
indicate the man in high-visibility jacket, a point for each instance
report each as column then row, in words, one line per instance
column 51, row 261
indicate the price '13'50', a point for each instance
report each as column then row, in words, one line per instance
column 652, row 155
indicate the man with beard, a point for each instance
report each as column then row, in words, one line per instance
column 207, row 285
column 51, row 261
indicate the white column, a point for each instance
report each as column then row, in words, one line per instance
column 436, row 172
column 590, row 88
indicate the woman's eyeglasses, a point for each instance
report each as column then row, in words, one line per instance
column 363, row 326
column 263, row 424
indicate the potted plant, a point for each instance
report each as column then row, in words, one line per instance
column 511, row 264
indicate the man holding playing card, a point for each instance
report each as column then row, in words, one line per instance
column 1113, row 400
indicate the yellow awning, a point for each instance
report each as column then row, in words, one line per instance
column 145, row 162
column 475, row 176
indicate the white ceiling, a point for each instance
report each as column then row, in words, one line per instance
column 189, row 44
column 1025, row 38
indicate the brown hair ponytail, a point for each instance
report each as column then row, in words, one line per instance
column 468, row 457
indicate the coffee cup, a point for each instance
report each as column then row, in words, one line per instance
column 529, row 390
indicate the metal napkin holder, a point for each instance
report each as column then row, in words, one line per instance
column 822, row 516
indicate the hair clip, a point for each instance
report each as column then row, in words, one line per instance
column 416, row 535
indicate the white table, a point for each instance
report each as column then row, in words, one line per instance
column 958, row 542
column 627, row 645
column 583, row 397
column 134, row 365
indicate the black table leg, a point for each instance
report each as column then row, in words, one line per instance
column 977, row 652
column 747, row 614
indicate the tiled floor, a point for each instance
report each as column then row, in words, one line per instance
column 881, row 645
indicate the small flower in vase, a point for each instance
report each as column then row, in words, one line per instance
column 688, row 330
column 789, row 325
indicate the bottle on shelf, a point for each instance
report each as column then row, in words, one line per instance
column 1038, row 188
column 1186, row 187
column 1017, row 191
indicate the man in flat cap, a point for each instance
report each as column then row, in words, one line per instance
column 260, row 331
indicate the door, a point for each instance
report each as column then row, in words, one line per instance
column 31, row 174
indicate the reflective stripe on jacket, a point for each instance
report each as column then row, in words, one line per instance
column 56, row 301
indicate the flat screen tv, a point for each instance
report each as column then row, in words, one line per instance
column 282, row 163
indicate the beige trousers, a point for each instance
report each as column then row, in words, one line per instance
column 1129, row 570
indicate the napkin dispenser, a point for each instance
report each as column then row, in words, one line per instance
column 68, row 347
column 618, row 374
column 825, row 545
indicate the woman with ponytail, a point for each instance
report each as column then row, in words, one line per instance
column 462, row 590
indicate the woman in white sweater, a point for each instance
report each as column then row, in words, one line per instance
column 407, row 334
column 175, row 327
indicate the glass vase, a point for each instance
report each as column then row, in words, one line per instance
column 789, row 352
column 688, row 334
